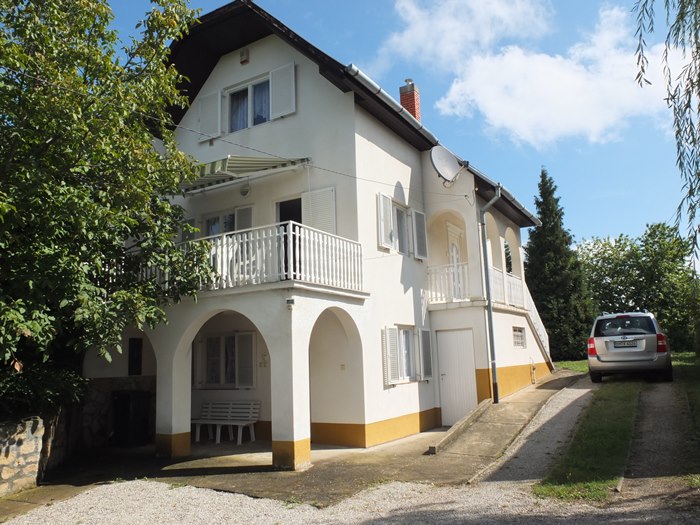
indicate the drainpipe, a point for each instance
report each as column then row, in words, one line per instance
column 489, row 302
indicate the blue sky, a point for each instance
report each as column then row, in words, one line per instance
column 511, row 86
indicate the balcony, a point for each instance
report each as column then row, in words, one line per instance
column 286, row 251
column 449, row 284
column 507, row 288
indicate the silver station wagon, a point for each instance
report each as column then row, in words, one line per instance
column 628, row 342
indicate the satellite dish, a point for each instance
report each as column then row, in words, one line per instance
column 447, row 165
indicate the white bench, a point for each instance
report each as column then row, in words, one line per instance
column 240, row 413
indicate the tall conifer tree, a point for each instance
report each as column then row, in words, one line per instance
column 555, row 278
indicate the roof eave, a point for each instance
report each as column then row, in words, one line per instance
column 508, row 205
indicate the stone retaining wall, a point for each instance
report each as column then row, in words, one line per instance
column 21, row 444
column 34, row 446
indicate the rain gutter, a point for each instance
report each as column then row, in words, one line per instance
column 489, row 301
column 378, row 92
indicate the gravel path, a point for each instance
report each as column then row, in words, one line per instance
column 501, row 496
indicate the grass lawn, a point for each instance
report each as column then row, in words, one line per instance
column 576, row 366
column 596, row 457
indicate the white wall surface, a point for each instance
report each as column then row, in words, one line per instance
column 386, row 164
column 320, row 129
column 506, row 353
column 95, row 366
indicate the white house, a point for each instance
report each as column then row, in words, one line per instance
column 351, row 294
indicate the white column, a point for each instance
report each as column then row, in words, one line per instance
column 172, row 346
column 288, row 343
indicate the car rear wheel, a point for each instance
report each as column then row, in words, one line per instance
column 667, row 375
column 596, row 377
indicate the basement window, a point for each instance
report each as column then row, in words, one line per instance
column 519, row 337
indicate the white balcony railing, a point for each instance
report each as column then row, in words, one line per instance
column 448, row 283
column 285, row 251
column 507, row 289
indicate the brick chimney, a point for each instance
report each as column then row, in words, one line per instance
column 410, row 98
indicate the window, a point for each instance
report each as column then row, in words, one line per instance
column 394, row 227
column 519, row 337
column 249, row 106
column 239, row 219
column 226, row 361
column 135, row 356
column 403, row 360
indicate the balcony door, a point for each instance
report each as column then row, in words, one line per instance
column 289, row 210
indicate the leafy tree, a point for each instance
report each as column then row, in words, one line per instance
column 682, row 88
column 82, row 207
column 555, row 278
column 650, row 273
column 611, row 267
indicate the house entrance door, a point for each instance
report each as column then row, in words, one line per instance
column 455, row 349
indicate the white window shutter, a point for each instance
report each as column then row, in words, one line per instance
column 420, row 236
column 318, row 209
column 384, row 221
column 426, row 355
column 246, row 361
column 244, row 218
column 209, row 116
column 282, row 92
column 390, row 355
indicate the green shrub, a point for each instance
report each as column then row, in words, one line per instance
column 37, row 389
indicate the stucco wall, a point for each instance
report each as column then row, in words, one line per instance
column 506, row 353
column 95, row 366
column 320, row 129
column 386, row 164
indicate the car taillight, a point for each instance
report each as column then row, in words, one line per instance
column 661, row 344
column 591, row 347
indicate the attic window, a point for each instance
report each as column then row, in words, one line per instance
column 249, row 106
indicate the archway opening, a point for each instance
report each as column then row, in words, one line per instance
column 336, row 393
column 231, row 362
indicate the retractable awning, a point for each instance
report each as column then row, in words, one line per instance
column 235, row 167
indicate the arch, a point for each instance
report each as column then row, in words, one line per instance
column 512, row 240
column 230, row 360
column 336, row 392
column 493, row 237
column 444, row 229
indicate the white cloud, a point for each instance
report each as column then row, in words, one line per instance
column 440, row 33
column 587, row 91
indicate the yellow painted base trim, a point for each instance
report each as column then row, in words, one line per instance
column 483, row 384
column 362, row 436
column 510, row 379
column 402, row 426
column 343, row 434
column 291, row 455
column 173, row 445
